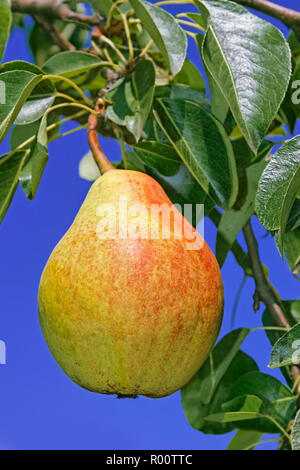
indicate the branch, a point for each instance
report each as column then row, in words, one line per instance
column 289, row 17
column 98, row 154
column 54, row 10
column 264, row 290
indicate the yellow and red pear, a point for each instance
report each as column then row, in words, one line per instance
column 130, row 315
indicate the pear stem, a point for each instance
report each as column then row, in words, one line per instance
column 98, row 154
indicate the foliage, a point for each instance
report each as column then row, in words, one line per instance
column 210, row 147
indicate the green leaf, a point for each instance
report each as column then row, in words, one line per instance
column 165, row 32
column 296, row 432
column 132, row 98
column 70, row 63
column 76, row 34
column 132, row 161
column 18, row 87
column 182, row 189
column 17, row 20
column 219, row 105
column 33, row 109
column 219, row 363
column 291, row 247
column 165, row 166
column 184, row 92
column 293, row 92
column 143, row 82
column 91, row 80
column 5, row 23
column 40, row 99
column 244, row 155
column 20, row 65
column 249, row 167
column 244, row 440
column 160, row 156
column 241, row 52
column 102, row 6
column 287, row 113
column 238, row 252
column 294, row 45
column 19, row 134
column 22, row 133
column 279, row 130
column 232, row 221
column 211, row 385
column 197, row 18
column 274, row 335
column 190, row 75
column 286, row 350
column 10, row 168
column 278, row 401
column 196, row 411
column 41, row 45
column 294, row 309
column 88, row 168
column 247, row 407
column 294, row 217
column 32, row 172
column 203, row 145
column 278, row 187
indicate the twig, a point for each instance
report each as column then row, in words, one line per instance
column 97, row 34
column 76, row 105
column 110, row 13
column 54, row 9
column 193, row 35
column 190, row 23
column 71, row 131
column 128, row 36
column 70, row 83
column 98, row 154
column 289, row 17
column 49, row 128
column 146, row 48
column 277, row 439
column 54, row 33
column 263, row 288
column 172, row 2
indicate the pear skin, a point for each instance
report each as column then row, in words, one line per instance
column 130, row 315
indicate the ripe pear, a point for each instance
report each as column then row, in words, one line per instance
column 130, row 314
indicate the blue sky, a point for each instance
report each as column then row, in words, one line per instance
column 40, row 407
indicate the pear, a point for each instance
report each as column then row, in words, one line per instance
column 125, row 307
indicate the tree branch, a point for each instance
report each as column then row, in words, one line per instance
column 264, row 290
column 289, row 17
column 54, row 9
